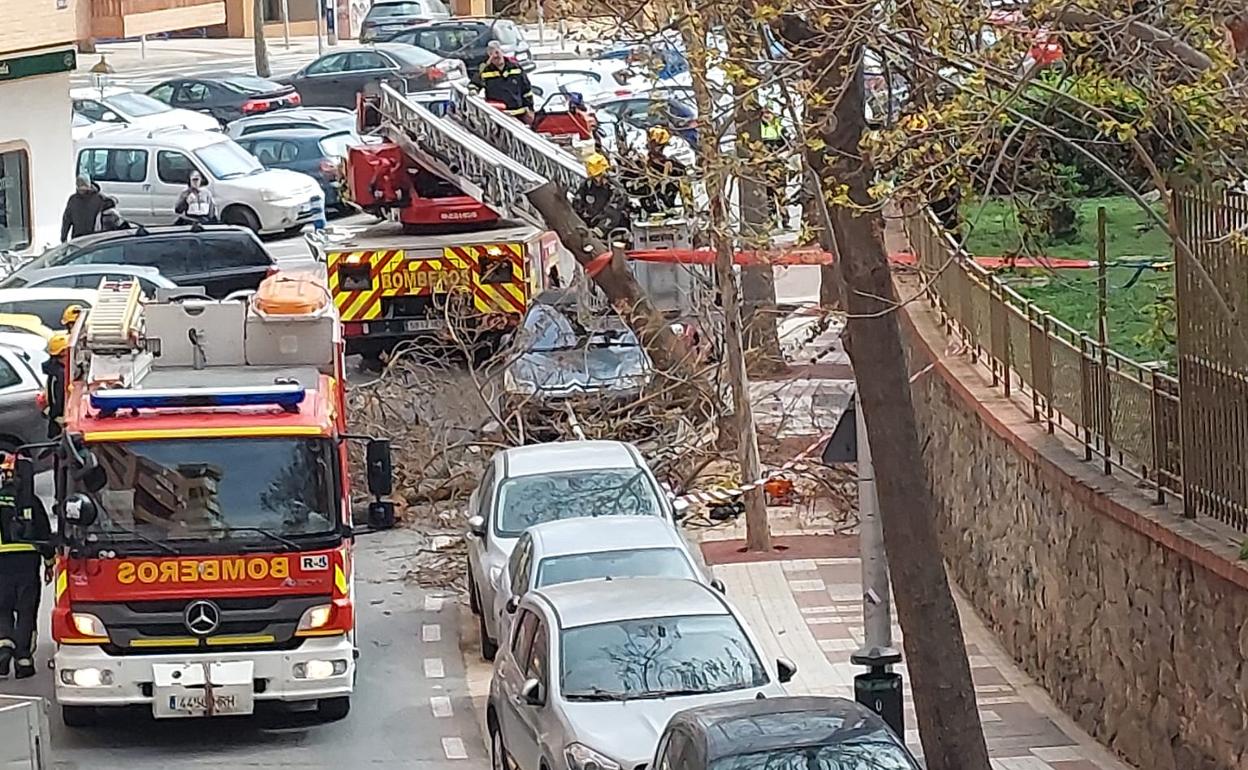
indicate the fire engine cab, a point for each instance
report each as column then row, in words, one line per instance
column 204, row 556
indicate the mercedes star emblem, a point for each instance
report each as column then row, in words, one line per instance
column 202, row 618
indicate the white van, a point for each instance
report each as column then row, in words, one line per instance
column 145, row 171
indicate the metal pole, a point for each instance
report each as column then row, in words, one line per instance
column 879, row 689
column 286, row 22
column 541, row 22
column 1102, row 282
column 321, row 23
column 142, row 46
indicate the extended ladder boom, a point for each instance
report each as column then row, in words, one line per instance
column 516, row 140
column 450, row 150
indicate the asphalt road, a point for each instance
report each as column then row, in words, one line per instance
column 411, row 707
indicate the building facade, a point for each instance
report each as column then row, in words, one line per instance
column 37, row 55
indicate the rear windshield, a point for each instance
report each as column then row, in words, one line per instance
column 335, row 145
column 48, row 310
column 136, row 105
column 387, row 10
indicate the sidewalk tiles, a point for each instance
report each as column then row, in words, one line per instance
column 810, row 611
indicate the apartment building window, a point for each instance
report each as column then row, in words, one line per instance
column 15, row 225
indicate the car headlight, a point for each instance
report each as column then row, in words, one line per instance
column 268, row 196
column 315, row 617
column 89, row 625
column 582, row 757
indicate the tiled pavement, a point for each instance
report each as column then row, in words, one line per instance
column 810, row 611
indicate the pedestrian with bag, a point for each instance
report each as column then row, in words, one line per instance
column 25, row 546
column 195, row 204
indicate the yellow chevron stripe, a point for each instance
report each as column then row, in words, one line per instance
column 356, row 311
column 62, row 583
column 340, row 581
column 517, row 295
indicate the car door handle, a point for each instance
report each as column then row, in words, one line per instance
column 147, row 187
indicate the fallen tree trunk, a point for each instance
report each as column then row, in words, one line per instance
column 668, row 351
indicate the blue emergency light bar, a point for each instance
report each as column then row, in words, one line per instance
column 287, row 395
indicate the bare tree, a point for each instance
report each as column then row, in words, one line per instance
column 257, row 37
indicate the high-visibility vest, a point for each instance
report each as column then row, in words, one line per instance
column 772, row 131
column 8, row 501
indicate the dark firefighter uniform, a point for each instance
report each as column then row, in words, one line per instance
column 20, row 586
column 507, row 84
column 54, row 368
column 600, row 201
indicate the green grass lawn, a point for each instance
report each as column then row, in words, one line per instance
column 1070, row 295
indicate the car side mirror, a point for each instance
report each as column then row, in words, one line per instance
column 110, row 117
column 785, row 670
column 380, row 467
column 718, row 585
column 513, row 603
column 531, row 693
column 476, row 526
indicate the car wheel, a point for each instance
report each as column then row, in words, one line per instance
column 241, row 216
column 474, row 601
column 333, row 709
column 498, row 750
column 78, row 716
column 489, row 647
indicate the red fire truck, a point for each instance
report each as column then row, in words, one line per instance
column 205, row 549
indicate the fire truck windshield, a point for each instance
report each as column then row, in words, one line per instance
column 252, row 492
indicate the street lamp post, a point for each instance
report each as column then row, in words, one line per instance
column 99, row 74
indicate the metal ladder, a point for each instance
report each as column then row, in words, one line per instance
column 516, row 140
column 451, row 151
column 113, row 322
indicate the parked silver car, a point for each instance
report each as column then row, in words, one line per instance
column 529, row 485
column 88, row 276
column 593, row 671
column 22, row 420
column 591, row 549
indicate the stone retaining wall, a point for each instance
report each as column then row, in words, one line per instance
column 1133, row 619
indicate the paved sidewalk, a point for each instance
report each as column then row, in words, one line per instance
column 810, row 611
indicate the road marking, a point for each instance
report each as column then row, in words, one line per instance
column 431, row 632
column 433, row 603
column 454, row 748
column 434, row 668
column 441, row 706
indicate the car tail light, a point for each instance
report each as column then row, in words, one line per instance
column 329, row 167
column 353, row 329
column 41, row 400
column 296, row 99
column 252, row 106
column 435, row 74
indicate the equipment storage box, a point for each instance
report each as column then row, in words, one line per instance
column 291, row 321
column 213, row 325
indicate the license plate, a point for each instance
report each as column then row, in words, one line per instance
column 227, row 700
column 422, row 325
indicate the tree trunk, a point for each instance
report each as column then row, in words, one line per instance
column 668, row 351
column 257, row 38
column 714, row 177
column 944, row 694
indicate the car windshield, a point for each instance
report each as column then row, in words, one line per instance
column 135, row 105
column 387, row 10
column 527, row 500
column 658, row 657
column 250, row 85
column 214, row 489
column 335, row 145
column 48, row 310
column 642, row 562
column 869, row 752
column 226, row 160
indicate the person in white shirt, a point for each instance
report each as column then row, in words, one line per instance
column 195, row 202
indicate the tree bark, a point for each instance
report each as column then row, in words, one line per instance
column 257, row 38
column 944, row 694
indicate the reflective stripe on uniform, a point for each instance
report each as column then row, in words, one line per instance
column 16, row 547
column 485, row 75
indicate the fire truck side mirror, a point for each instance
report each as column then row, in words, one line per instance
column 80, row 510
column 92, row 476
column 380, row 468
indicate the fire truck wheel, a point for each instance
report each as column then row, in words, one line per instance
column 78, row 716
column 241, row 216
column 489, row 647
column 333, row 709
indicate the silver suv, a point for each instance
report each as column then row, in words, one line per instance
column 593, row 671
column 528, row 485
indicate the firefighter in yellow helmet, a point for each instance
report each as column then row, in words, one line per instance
column 663, row 173
column 600, row 200
column 20, row 560
column 70, row 316
column 55, row 368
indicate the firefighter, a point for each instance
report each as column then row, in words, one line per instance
column 600, row 201
column 55, row 368
column 19, row 575
column 663, row 173
column 504, row 82
column 776, row 142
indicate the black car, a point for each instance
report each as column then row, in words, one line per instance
column 220, row 258
column 227, row 97
column 466, row 39
column 386, row 17
column 317, row 152
column 334, row 79
column 803, row 732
